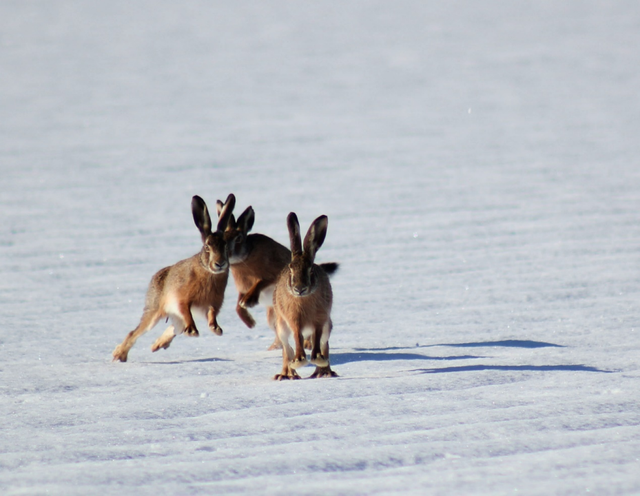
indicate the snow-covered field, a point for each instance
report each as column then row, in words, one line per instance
column 478, row 162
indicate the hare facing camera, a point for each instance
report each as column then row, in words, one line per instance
column 302, row 300
column 196, row 283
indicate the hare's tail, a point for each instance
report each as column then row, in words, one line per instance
column 330, row 268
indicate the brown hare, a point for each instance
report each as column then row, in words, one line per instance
column 256, row 263
column 197, row 283
column 302, row 301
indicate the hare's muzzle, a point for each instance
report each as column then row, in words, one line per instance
column 220, row 266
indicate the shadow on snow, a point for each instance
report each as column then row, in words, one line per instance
column 338, row 358
column 528, row 368
column 508, row 343
column 196, row 360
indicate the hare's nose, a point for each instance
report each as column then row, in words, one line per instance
column 221, row 265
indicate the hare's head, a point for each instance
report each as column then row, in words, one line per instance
column 236, row 233
column 214, row 256
column 302, row 275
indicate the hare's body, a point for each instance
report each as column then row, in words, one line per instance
column 256, row 263
column 302, row 302
column 195, row 284
column 255, row 272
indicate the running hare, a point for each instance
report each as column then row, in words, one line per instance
column 256, row 263
column 302, row 301
column 197, row 283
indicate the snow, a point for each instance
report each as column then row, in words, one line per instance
column 478, row 162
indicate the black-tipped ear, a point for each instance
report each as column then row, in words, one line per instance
column 201, row 216
column 294, row 234
column 246, row 220
column 315, row 236
column 219, row 206
column 225, row 212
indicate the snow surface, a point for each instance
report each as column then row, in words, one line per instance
column 478, row 162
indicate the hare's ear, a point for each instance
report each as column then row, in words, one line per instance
column 294, row 234
column 201, row 216
column 231, row 225
column 315, row 236
column 226, row 212
column 219, row 206
column 246, row 220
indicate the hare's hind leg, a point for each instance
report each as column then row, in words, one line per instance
column 287, row 352
column 271, row 320
column 321, row 341
column 148, row 321
column 164, row 341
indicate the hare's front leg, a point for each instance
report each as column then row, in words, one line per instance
column 300, row 359
column 321, row 341
column 184, row 313
column 287, row 352
column 213, row 323
column 252, row 297
column 244, row 314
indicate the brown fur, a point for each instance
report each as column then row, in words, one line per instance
column 256, row 263
column 197, row 282
column 302, row 302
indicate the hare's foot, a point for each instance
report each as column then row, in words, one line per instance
column 296, row 363
column 192, row 331
column 216, row 329
column 164, row 341
column 276, row 345
column 120, row 354
column 161, row 344
column 287, row 374
column 319, row 360
column 323, row 372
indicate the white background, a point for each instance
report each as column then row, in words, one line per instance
column 478, row 162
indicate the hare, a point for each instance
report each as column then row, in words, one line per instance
column 302, row 301
column 197, row 283
column 256, row 263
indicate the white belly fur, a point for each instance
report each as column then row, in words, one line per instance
column 266, row 296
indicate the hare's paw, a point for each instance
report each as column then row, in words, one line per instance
column 250, row 300
column 276, row 345
column 319, row 360
column 192, row 331
column 323, row 372
column 160, row 344
column 296, row 363
column 286, row 375
column 216, row 329
column 120, row 354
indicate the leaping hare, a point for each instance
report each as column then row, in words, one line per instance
column 302, row 301
column 256, row 263
column 196, row 283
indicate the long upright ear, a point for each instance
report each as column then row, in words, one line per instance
column 246, row 219
column 201, row 216
column 225, row 212
column 294, row 234
column 219, row 206
column 315, row 236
